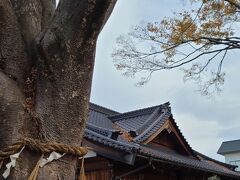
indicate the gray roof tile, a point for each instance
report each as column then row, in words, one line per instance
column 120, row 145
column 229, row 147
column 153, row 126
column 101, row 130
column 135, row 113
column 103, row 110
column 132, row 123
column 99, row 119
column 143, row 122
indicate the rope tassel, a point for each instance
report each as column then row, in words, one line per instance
column 34, row 173
column 82, row 172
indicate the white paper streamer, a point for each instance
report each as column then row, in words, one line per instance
column 12, row 163
column 53, row 156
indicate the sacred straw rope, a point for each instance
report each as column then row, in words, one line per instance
column 43, row 148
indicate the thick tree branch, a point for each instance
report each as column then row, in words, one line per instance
column 228, row 41
column 77, row 19
column 29, row 14
column 48, row 9
column 33, row 16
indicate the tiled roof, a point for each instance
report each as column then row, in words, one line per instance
column 135, row 113
column 102, row 110
column 157, row 112
column 151, row 126
column 117, row 144
column 99, row 119
column 132, row 123
column 185, row 161
column 229, row 166
column 100, row 130
column 229, row 147
column 145, row 122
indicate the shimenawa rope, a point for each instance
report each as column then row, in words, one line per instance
column 44, row 148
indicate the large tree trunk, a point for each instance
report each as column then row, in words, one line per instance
column 46, row 65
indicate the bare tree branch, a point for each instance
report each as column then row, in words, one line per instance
column 233, row 3
column 221, row 62
column 183, row 39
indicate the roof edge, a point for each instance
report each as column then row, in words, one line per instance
column 230, row 166
column 191, row 167
column 102, row 109
column 142, row 111
column 227, row 152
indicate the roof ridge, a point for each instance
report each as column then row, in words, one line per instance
column 149, row 120
column 102, row 109
column 149, row 130
column 231, row 141
column 137, row 112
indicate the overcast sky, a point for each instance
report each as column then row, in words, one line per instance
column 204, row 122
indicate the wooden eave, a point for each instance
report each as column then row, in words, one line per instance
column 110, row 152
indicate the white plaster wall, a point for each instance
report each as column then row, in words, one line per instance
column 233, row 157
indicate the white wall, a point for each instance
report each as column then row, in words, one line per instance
column 233, row 158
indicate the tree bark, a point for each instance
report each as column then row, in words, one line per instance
column 49, row 102
column 33, row 16
column 11, row 111
column 13, row 57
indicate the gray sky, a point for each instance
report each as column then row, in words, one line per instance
column 204, row 122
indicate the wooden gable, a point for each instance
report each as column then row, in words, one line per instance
column 169, row 137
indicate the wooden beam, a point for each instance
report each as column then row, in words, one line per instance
column 110, row 153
